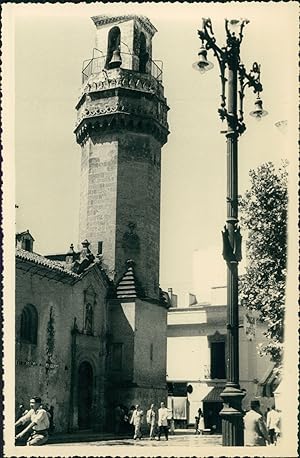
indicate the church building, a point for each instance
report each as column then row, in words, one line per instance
column 91, row 323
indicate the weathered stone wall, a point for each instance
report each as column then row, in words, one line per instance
column 98, row 206
column 84, row 182
column 138, row 202
column 122, row 326
column 150, row 349
column 139, row 325
column 45, row 369
column 121, row 186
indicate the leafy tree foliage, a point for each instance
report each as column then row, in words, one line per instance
column 264, row 216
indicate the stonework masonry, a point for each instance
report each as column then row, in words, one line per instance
column 45, row 368
column 121, row 185
column 121, row 127
column 139, row 326
column 101, row 321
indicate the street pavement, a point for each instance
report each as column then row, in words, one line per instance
column 183, row 442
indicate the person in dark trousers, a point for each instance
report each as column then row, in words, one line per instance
column 39, row 423
column 197, row 420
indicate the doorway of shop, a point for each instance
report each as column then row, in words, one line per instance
column 212, row 419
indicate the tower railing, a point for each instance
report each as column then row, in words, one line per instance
column 96, row 65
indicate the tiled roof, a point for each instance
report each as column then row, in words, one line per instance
column 43, row 262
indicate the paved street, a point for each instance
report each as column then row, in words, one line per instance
column 182, row 442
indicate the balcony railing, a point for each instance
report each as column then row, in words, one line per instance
column 96, row 65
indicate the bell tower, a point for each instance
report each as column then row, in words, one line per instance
column 121, row 127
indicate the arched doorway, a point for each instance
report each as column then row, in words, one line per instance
column 85, row 395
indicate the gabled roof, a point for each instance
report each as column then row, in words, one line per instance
column 55, row 270
column 36, row 263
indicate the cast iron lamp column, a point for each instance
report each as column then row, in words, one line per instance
column 229, row 61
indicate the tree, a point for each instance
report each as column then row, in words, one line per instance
column 264, row 216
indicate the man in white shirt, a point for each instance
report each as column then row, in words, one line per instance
column 151, row 418
column 255, row 428
column 136, row 421
column 273, row 425
column 38, row 420
column 163, row 414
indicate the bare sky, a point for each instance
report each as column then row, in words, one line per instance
column 51, row 42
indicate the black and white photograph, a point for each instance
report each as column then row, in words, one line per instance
column 150, row 249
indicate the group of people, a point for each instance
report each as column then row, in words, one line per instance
column 157, row 421
column 257, row 430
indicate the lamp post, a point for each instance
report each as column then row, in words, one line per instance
column 234, row 80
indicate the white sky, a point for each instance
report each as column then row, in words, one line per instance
column 51, row 42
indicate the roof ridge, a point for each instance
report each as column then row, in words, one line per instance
column 43, row 261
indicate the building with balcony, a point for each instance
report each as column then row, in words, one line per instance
column 197, row 355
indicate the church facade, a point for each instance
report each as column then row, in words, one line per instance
column 91, row 323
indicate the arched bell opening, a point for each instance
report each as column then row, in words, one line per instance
column 113, row 47
column 143, row 54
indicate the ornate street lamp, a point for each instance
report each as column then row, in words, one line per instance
column 234, row 80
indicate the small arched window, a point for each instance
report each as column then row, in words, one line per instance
column 143, row 54
column 29, row 324
column 114, row 40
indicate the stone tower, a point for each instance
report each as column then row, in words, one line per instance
column 121, row 128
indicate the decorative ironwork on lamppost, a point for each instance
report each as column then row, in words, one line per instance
column 234, row 80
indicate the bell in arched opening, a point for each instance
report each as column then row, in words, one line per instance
column 116, row 59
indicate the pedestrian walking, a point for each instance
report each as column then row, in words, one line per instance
column 38, row 420
column 163, row 414
column 197, row 420
column 273, row 420
column 201, row 425
column 256, row 432
column 151, row 421
column 136, row 421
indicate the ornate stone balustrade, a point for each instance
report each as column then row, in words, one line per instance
column 108, row 94
column 122, row 78
column 115, row 105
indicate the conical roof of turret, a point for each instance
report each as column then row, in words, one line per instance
column 128, row 286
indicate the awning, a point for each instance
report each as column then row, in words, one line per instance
column 214, row 395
